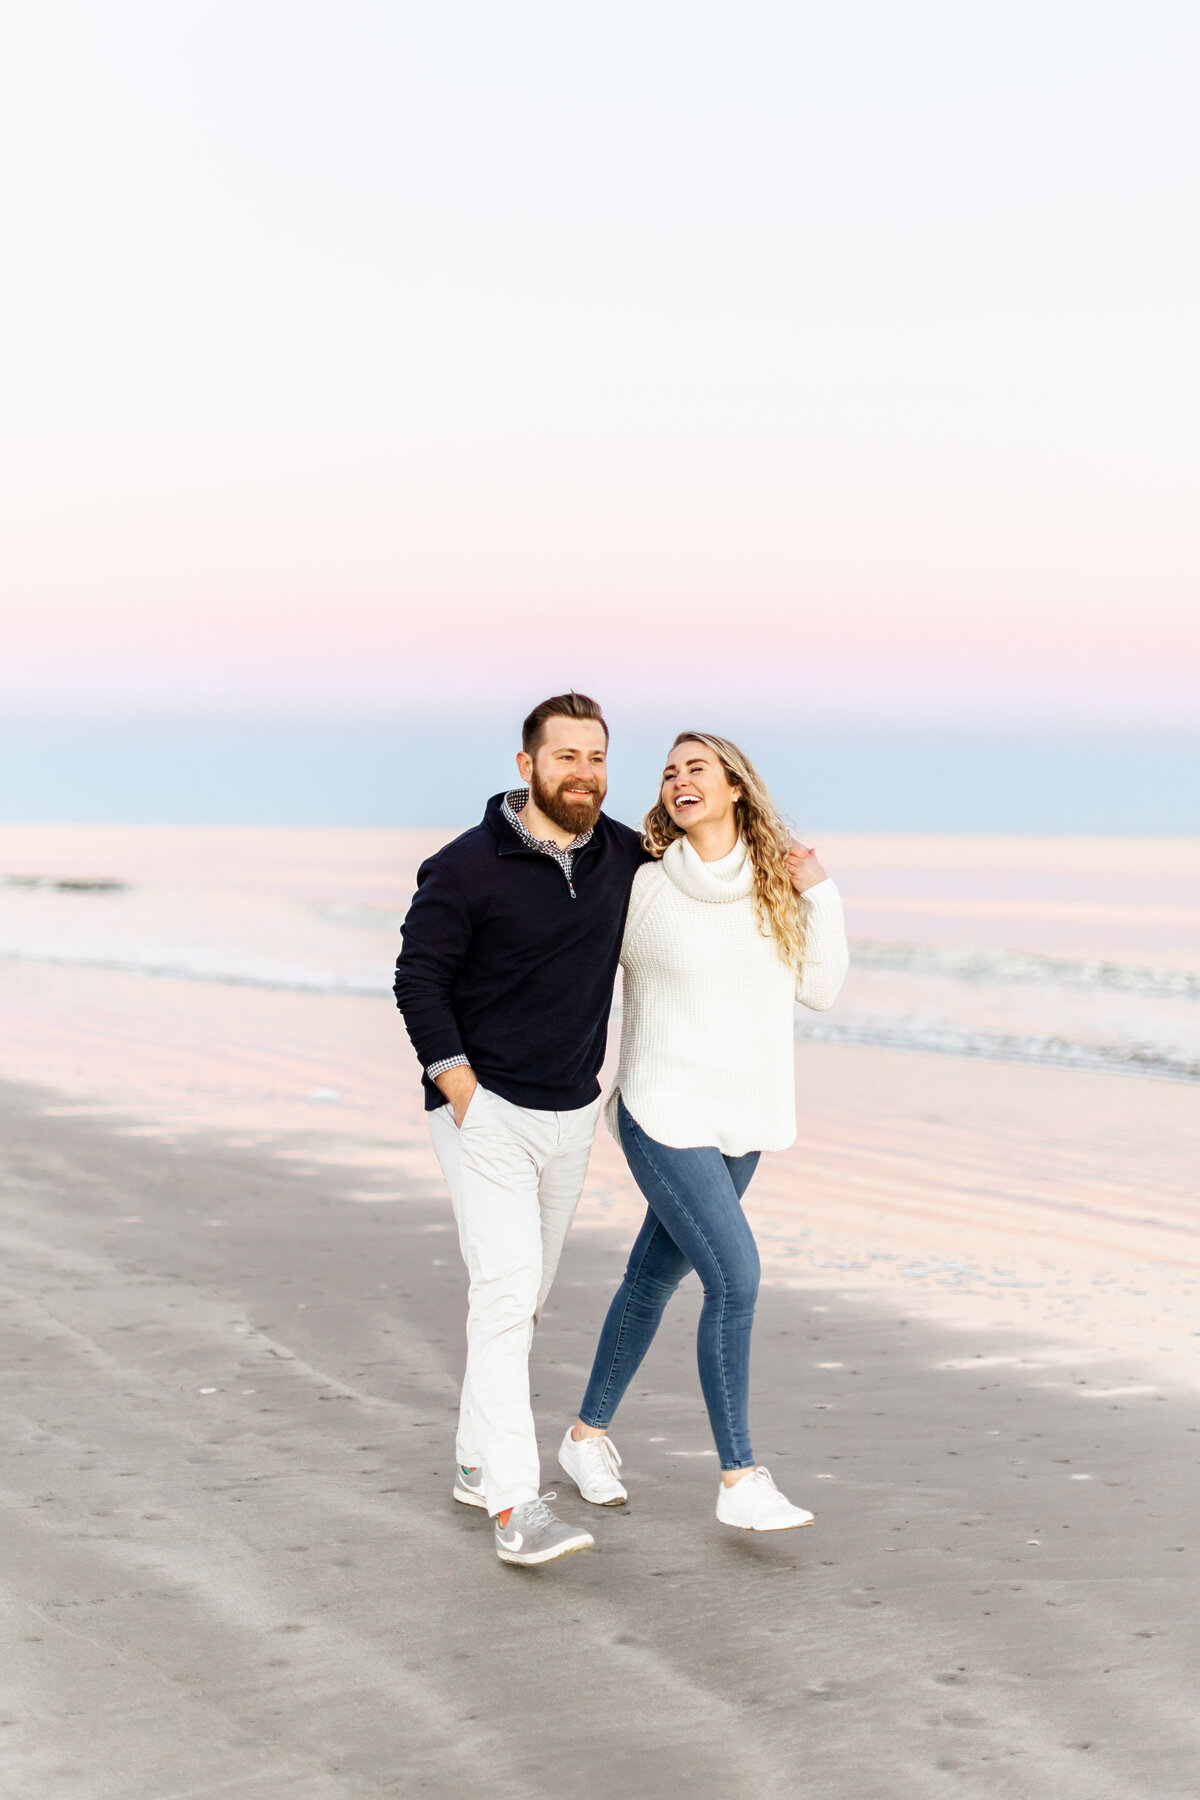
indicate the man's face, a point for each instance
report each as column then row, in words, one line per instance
column 568, row 774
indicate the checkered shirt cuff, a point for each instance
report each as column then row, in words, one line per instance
column 447, row 1062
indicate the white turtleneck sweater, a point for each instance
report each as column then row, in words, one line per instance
column 708, row 1018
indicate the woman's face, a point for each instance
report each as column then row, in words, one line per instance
column 695, row 788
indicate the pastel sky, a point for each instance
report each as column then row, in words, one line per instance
column 835, row 361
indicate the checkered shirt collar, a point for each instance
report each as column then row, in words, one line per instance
column 514, row 800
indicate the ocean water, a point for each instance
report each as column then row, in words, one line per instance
column 326, row 774
column 1073, row 952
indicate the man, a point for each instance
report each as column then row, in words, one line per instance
column 505, row 981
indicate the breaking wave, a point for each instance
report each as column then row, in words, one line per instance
column 893, row 1033
column 998, row 1046
column 224, row 970
column 1024, row 968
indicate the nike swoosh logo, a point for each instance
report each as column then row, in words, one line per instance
column 512, row 1543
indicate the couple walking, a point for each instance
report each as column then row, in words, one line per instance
column 505, row 980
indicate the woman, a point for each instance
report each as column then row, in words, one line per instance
column 727, row 927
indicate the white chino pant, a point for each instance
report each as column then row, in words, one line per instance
column 515, row 1176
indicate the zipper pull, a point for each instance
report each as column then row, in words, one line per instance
column 573, row 893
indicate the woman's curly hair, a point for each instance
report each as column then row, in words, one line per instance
column 764, row 834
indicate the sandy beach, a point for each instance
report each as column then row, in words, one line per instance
column 226, row 1245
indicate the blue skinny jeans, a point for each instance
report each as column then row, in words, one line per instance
column 694, row 1220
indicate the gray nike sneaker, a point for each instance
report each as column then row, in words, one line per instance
column 534, row 1535
column 468, row 1487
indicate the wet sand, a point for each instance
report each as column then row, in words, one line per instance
column 233, row 1567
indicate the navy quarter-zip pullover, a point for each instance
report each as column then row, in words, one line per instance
column 511, row 964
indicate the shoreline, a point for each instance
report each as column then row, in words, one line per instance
column 972, row 1193
column 945, row 1039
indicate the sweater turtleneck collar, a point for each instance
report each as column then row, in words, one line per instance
column 729, row 878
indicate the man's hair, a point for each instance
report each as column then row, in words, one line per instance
column 559, row 706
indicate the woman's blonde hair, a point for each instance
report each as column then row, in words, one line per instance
column 764, row 834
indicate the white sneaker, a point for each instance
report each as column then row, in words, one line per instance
column 755, row 1504
column 592, row 1464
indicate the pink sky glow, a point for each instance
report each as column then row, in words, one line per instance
column 844, row 364
column 816, row 664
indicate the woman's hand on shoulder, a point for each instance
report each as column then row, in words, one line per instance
column 804, row 871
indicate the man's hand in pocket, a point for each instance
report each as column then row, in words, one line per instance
column 458, row 1085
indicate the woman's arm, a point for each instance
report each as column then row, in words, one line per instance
column 826, row 953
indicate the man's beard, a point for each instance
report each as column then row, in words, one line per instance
column 571, row 812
